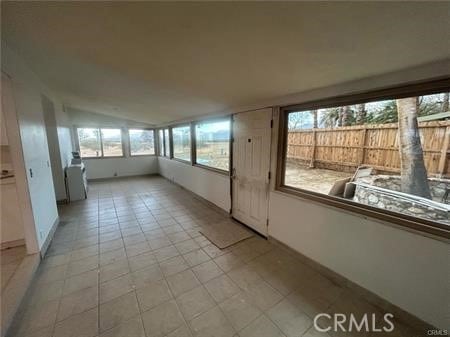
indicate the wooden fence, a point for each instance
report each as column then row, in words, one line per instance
column 345, row 148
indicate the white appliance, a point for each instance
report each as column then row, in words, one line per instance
column 76, row 182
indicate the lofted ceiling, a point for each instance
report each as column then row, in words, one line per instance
column 157, row 62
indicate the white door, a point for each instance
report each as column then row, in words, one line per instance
column 251, row 166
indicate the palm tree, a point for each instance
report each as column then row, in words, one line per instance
column 361, row 114
column 413, row 172
column 346, row 115
column 315, row 122
column 445, row 102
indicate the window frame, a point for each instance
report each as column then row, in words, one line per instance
column 407, row 90
column 129, row 143
column 172, row 153
column 101, row 141
column 230, row 145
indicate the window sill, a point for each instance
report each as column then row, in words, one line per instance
column 109, row 157
column 216, row 170
column 182, row 161
column 428, row 228
column 142, row 155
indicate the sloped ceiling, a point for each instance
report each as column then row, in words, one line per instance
column 157, row 62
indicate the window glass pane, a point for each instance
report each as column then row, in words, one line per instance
column 112, row 142
column 166, row 139
column 141, row 142
column 161, row 142
column 182, row 142
column 89, row 140
column 386, row 154
column 213, row 144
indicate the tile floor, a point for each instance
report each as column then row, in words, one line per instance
column 130, row 262
column 11, row 259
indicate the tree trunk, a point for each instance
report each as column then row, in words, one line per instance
column 346, row 115
column 361, row 114
column 340, row 116
column 445, row 107
column 315, row 123
column 413, row 172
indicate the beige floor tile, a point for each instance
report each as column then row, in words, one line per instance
column 83, row 265
column 45, row 292
column 153, row 294
column 165, row 253
column 173, row 266
column 82, row 253
column 182, row 331
column 130, row 328
column 118, row 310
column 39, row 316
column 143, row 277
column 187, row 246
column 111, row 245
column 228, row 261
column 261, row 327
column 141, row 261
column 196, row 257
column 182, row 282
column 212, row 323
column 136, row 249
column 221, row 288
column 81, row 281
column 239, row 310
column 194, row 302
column 162, row 320
column 244, row 277
column 263, row 295
column 51, row 274
column 112, row 256
column 78, row 302
column 114, row 270
column 289, row 319
column 207, row 271
column 81, row 325
column 213, row 251
column 116, row 287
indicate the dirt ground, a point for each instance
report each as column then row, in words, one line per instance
column 312, row 179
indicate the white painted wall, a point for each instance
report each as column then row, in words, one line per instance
column 210, row 185
column 127, row 166
column 27, row 93
column 407, row 269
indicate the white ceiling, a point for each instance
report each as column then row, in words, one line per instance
column 158, row 62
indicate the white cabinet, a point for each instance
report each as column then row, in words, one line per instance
column 76, row 182
column 11, row 218
column 3, row 134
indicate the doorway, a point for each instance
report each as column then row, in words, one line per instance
column 251, row 168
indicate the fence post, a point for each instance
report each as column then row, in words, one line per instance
column 313, row 151
column 363, row 147
column 444, row 150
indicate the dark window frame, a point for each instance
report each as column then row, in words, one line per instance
column 403, row 91
column 194, row 147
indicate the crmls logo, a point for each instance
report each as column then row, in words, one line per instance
column 345, row 323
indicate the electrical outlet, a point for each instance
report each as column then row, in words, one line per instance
column 115, row 174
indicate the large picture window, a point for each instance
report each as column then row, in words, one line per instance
column 167, row 143
column 97, row 143
column 213, row 144
column 181, row 137
column 142, row 142
column 387, row 153
column 89, row 142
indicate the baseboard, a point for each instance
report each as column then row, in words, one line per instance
column 374, row 299
column 11, row 244
column 123, row 177
column 49, row 238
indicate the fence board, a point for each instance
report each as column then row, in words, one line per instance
column 376, row 145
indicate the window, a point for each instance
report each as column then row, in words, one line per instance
column 141, row 142
column 213, row 144
column 386, row 151
column 181, row 137
column 167, row 143
column 112, row 142
column 89, row 141
column 96, row 143
column 161, row 142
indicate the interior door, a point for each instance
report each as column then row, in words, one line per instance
column 251, row 166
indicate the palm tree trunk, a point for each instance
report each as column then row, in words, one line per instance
column 315, row 122
column 340, row 116
column 445, row 102
column 361, row 114
column 346, row 115
column 414, row 178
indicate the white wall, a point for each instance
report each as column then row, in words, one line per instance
column 407, row 269
column 127, row 166
column 27, row 93
column 210, row 185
